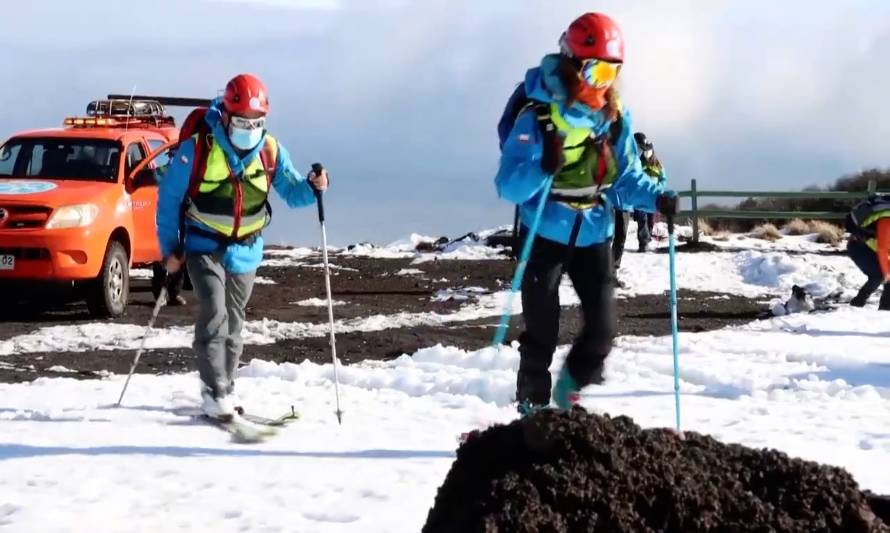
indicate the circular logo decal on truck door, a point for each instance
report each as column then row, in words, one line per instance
column 25, row 187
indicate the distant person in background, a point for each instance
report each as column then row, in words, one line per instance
column 869, row 247
column 645, row 221
column 622, row 220
column 653, row 168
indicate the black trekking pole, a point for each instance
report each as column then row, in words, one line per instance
column 317, row 169
column 169, row 281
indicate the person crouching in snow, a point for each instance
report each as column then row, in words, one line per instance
column 572, row 128
column 654, row 169
column 869, row 247
column 212, row 208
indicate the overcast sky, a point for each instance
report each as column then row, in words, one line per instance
column 400, row 99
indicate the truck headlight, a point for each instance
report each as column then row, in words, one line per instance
column 73, row 216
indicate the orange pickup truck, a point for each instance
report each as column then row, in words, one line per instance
column 76, row 206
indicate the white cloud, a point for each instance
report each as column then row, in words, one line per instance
column 403, row 96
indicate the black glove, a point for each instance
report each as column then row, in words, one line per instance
column 666, row 203
column 317, row 169
column 552, row 158
column 173, row 279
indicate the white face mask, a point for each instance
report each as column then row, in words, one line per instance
column 245, row 139
column 648, row 154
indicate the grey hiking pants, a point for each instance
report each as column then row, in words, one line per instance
column 222, row 298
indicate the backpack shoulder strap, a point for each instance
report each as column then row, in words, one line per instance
column 269, row 159
column 544, row 115
column 203, row 145
column 194, row 127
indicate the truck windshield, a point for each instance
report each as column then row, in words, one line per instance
column 63, row 159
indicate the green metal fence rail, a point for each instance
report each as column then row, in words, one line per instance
column 694, row 214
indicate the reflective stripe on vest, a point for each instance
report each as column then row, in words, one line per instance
column 873, row 219
column 216, row 202
column 578, row 177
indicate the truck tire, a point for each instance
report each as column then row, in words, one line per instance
column 108, row 294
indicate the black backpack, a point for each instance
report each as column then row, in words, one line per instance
column 861, row 212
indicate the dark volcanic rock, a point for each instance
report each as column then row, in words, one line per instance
column 580, row 472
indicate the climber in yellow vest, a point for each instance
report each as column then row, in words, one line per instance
column 212, row 207
column 568, row 147
column 869, row 247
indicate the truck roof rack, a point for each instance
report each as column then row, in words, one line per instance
column 123, row 112
column 125, row 108
column 173, row 101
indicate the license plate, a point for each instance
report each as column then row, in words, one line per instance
column 7, row 262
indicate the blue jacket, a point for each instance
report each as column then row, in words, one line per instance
column 293, row 188
column 520, row 179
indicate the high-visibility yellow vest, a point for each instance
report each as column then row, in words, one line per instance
column 590, row 165
column 235, row 206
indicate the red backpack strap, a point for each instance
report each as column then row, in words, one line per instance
column 603, row 164
column 269, row 159
column 203, row 143
column 604, row 144
column 194, row 124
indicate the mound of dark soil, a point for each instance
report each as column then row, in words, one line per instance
column 576, row 471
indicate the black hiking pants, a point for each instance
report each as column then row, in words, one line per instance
column 622, row 220
column 867, row 260
column 645, row 224
column 590, row 269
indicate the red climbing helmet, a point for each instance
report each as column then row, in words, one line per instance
column 593, row 36
column 246, row 96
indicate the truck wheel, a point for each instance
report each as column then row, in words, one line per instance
column 108, row 294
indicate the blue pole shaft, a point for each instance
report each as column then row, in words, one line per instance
column 501, row 332
column 672, row 253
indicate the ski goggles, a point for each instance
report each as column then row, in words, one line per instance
column 245, row 123
column 599, row 73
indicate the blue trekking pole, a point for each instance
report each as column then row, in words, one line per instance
column 672, row 254
column 501, row 333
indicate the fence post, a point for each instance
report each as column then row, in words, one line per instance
column 694, row 212
column 872, row 187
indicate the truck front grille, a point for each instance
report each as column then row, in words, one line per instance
column 23, row 216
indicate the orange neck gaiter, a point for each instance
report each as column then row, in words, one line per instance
column 591, row 96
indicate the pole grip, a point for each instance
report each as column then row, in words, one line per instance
column 317, row 168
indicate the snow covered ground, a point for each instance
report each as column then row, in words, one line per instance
column 814, row 385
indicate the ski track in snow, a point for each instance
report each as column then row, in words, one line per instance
column 815, row 386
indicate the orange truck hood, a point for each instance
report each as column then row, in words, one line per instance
column 53, row 193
